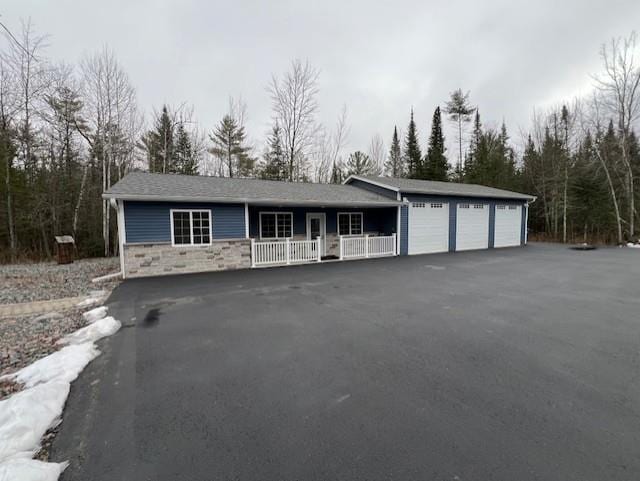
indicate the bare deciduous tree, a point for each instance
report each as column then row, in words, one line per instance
column 591, row 120
column 295, row 106
column 9, row 107
column 114, row 121
column 619, row 86
column 377, row 153
column 329, row 146
column 30, row 75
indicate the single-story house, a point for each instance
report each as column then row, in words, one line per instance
column 170, row 223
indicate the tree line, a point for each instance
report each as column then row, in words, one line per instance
column 69, row 132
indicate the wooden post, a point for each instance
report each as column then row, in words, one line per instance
column 395, row 244
column 253, row 252
column 318, row 239
column 366, row 245
column 341, row 248
column 288, row 249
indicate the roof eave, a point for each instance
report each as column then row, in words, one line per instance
column 372, row 182
column 423, row 192
column 229, row 200
column 468, row 194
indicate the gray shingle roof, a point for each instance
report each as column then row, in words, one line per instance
column 414, row 186
column 166, row 187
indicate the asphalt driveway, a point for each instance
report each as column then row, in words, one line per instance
column 514, row 364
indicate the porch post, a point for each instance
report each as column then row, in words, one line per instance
column 366, row 245
column 288, row 249
column 253, row 252
column 341, row 248
column 395, row 245
column 318, row 248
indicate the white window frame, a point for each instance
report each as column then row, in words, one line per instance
column 191, row 211
column 290, row 214
column 350, row 214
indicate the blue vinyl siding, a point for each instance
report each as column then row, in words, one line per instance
column 381, row 220
column 404, row 225
column 453, row 224
column 492, row 224
column 151, row 221
column 374, row 188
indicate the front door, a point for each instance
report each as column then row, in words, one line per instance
column 317, row 227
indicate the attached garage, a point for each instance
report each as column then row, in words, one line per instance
column 447, row 216
column 428, row 227
column 472, row 226
column 508, row 225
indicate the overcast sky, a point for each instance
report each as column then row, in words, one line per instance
column 378, row 58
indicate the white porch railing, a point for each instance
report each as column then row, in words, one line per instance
column 367, row 246
column 273, row 253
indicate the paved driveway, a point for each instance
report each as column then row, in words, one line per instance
column 514, row 364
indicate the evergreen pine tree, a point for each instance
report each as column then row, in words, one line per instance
column 185, row 159
column 436, row 166
column 228, row 144
column 360, row 163
column 159, row 143
column 471, row 159
column 275, row 165
column 459, row 111
column 394, row 166
column 412, row 154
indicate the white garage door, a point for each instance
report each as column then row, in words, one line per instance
column 508, row 225
column 428, row 227
column 472, row 227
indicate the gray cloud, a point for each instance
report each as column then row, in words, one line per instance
column 378, row 58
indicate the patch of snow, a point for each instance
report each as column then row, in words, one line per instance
column 63, row 365
column 95, row 314
column 30, row 470
column 26, row 416
column 94, row 297
column 635, row 246
column 93, row 332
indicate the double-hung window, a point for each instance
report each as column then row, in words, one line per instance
column 190, row 227
column 276, row 225
column 350, row 223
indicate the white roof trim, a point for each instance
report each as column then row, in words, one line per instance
column 372, row 182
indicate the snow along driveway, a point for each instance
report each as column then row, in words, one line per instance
column 26, row 415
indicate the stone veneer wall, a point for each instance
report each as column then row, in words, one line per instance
column 143, row 260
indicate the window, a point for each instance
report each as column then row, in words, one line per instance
column 501, row 207
column 512, row 207
column 191, row 227
column 478, row 206
column 418, row 205
column 463, row 206
column 436, row 206
column 350, row 223
column 276, row 225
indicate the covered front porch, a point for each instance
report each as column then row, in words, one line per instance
column 303, row 234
